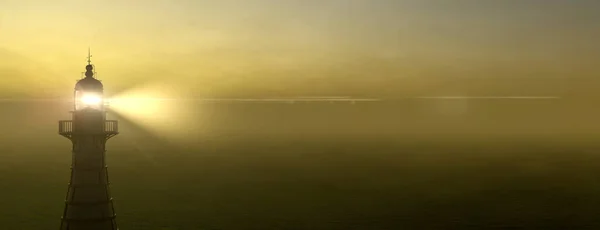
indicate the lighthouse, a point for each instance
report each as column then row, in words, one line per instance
column 88, row 204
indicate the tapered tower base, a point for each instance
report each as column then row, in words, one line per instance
column 88, row 205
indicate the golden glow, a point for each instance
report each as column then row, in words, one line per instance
column 152, row 106
column 257, row 47
column 91, row 100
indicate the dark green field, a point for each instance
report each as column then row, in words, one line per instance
column 402, row 165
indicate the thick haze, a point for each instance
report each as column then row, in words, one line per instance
column 416, row 163
column 381, row 48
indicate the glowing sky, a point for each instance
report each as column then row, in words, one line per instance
column 265, row 47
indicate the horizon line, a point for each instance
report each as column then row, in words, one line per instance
column 300, row 98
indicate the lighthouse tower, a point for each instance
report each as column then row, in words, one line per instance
column 88, row 205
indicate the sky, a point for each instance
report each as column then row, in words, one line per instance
column 379, row 48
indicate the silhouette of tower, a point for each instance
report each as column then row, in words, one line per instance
column 88, row 205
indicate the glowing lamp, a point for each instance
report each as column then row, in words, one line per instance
column 91, row 100
column 89, row 92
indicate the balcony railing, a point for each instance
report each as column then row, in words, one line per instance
column 65, row 127
column 111, row 128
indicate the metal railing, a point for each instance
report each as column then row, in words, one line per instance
column 66, row 127
column 111, row 126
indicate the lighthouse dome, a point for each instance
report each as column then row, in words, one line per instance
column 89, row 83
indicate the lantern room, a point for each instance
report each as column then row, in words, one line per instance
column 89, row 91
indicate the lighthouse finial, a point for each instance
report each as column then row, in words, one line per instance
column 89, row 58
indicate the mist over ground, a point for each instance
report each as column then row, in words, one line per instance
column 378, row 165
column 397, row 164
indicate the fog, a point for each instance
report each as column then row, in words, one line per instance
column 415, row 164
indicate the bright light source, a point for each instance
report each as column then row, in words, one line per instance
column 91, row 100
